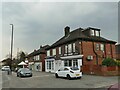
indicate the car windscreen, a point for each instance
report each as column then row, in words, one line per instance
column 25, row 70
column 74, row 68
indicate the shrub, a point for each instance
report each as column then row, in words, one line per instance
column 117, row 62
column 109, row 62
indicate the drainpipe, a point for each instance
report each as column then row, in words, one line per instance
column 95, row 54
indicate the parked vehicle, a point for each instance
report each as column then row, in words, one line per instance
column 5, row 68
column 24, row 72
column 68, row 72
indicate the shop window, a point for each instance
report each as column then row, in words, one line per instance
column 75, row 63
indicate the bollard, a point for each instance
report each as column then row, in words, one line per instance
column 8, row 72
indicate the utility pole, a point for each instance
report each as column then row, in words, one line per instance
column 11, row 46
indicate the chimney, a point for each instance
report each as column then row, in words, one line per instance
column 66, row 30
column 40, row 46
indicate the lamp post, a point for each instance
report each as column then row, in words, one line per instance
column 11, row 46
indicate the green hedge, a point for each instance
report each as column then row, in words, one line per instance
column 109, row 62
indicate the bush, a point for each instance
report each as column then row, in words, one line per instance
column 109, row 62
column 117, row 62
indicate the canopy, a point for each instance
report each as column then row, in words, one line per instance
column 22, row 63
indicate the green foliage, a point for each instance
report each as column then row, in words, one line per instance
column 109, row 62
column 117, row 62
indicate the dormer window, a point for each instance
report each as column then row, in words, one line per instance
column 97, row 33
column 92, row 33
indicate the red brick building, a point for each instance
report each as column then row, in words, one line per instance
column 36, row 59
column 118, row 51
column 80, row 44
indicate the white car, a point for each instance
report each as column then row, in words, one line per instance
column 68, row 72
column 5, row 68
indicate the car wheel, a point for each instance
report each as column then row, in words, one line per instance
column 56, row 75
column 79, row 77
column 68, row 76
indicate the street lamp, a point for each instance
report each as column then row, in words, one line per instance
column 11, row 47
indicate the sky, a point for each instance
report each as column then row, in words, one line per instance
column 42, row 23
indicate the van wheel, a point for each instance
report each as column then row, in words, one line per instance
column 56, row 75
column 68, row 77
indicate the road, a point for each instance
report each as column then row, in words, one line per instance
column 48, row 80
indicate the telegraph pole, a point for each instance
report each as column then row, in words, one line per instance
column 11, row 46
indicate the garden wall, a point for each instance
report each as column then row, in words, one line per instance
column 101, row 70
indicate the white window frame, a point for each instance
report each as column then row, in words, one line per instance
column 97, row 33
column 66, row 49
column 54, row 52
column 69, row 48
column 97, row 47
column 60, row 50
column 92, row 33
column 102, row 47
column 48, row 53
column 73, row 47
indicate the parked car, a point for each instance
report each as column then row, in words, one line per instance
column 24, row 72
column 5, row 68
column 68, row 72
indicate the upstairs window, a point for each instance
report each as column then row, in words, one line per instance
column 97, row 33
column 73, row 47
column 37, row 57
column 54, row 52
column 69, row 48
column 66, row 49
column 59, row 50
column 97, row 46
column 92, row 33
column 102, row 47
column 48, row 53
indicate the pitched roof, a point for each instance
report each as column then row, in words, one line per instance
column 79, row 34
column 39, row 51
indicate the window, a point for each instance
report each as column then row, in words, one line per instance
column 92, row 32
column 97, row 33
column 54, row 52
column 36, row 57
column 97, row 46
column 102, row 47
column 68, row 63
column 66, row 49
column 75, row 63
column 69, row 48
column 59, row 50
column 48, row 53
column 52, row 65
column 73, row 47
column 66, row 69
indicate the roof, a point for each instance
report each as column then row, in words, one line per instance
column 39, row 51
column 78, row 34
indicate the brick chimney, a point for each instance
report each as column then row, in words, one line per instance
column 66, row 30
